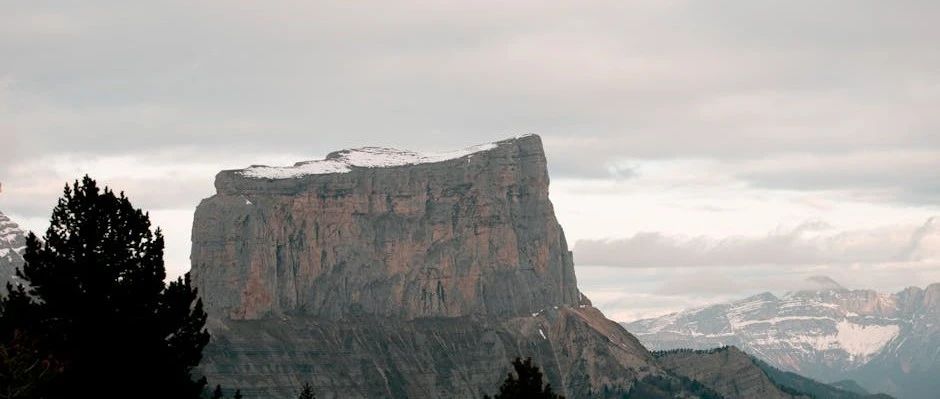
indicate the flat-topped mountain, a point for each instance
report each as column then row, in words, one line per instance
column 885, row 342
column 379, row 273
column 387, row 233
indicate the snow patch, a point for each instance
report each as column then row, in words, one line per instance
column 542, row 334
column 864, row 341
column 366, row 157
column 774, row 320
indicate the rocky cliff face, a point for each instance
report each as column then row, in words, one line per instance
column 908, row 366
column 885, row 342
column 379, row 273
column 469, row 235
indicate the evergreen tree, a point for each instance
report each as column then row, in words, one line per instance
column 526, row 383
column 94, row 298
column 307, row 392
column 238, row 394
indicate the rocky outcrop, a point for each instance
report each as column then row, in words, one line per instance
column 12, row 245
column 733, row 374
column 728, row 371
column 464, row 357
column 908, row 366
column 845, row 389
column 379, row 273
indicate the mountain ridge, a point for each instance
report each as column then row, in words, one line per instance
column 828, row 335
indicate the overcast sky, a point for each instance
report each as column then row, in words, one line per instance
column 699, row 150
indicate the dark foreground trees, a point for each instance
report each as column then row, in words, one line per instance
column 525, row 383
column 94, row 305
column 306, row 392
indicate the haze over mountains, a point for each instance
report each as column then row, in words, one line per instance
column 886, row 342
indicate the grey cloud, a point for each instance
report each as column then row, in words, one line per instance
column 907, row 176
column 648, row 80
column 808, row 244
column 730, row 281
column 628, row 294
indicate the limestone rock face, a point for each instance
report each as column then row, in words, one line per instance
column 379, row 273
column 471, row 235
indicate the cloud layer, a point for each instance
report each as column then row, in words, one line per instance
column 678, row 132
column 807, row 244
column 604, row 82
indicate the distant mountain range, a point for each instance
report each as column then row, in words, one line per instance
column 885, row 342
column 12, row 245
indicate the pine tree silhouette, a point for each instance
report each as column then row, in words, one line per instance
column 238, row 394
column 307, row 392
column 96, row 301
column 526, row 383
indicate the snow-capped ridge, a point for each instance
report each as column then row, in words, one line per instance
column 344, row 161
column 830, row 333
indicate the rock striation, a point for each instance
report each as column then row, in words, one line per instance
column 472, row 235
column 379, row 273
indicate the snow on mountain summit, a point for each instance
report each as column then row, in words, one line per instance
column 366, row 157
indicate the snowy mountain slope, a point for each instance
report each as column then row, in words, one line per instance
column 366, row 157
column 12, row 245
column 828, row 334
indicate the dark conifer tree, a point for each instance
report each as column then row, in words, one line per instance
column 525, row 383
column 238, row 394
column 307, row 392
column 96, row 301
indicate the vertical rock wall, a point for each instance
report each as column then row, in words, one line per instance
column 474, row 235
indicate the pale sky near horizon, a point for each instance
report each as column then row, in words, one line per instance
column 699, row 151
